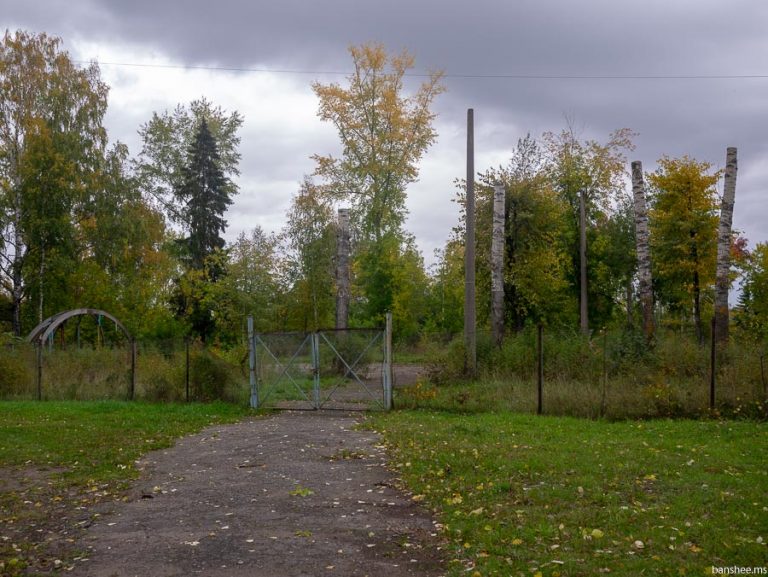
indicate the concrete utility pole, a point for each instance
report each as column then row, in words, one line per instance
column 497, row 265
column 342, row 270
column 470, row 335
column 584, row 312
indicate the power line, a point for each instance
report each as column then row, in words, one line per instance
column 446, row 75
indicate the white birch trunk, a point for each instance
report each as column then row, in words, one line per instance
column 642, row 240
column 497, row 265
column 342, row 271
column 723, row 282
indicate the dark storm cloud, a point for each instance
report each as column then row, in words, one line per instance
column 673, row 116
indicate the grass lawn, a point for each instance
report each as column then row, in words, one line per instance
column 59, row 459
column 552, row 496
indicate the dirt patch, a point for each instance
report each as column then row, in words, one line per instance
column 293, row 494
column 407, row 375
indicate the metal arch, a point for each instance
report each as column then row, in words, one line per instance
column 45, row 329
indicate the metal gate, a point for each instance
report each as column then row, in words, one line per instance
column 345, row 369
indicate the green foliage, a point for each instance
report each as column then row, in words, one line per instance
column 52, row 146
column 445, row 291
column 166, row 140
column 311, row 235
column 252, row 286
column 211, row 377
column 614, row 375
column 683, row 223
column 383, row 134
column 596, row 171
column 535, row 257
column 752, row 315
column 390, row 275
column 544, row 496
column 205, row 197
column 15, row 372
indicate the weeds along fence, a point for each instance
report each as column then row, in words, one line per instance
column 165, row 370
column 611, row 374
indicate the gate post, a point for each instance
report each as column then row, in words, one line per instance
column 252, row 365
column 39, row 347
column 134, row 350
column 316, row 369
column 388, row 364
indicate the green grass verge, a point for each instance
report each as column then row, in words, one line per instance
column 554, row 496
column 58, row 459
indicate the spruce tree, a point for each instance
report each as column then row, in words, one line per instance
column 204, row 196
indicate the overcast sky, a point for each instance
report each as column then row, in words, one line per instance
column 522, row 65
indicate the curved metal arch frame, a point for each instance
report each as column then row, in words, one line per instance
column 48, row 327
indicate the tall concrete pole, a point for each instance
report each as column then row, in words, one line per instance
column 470, row 335
column 583, row 308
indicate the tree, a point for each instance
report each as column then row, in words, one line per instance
column 252, row 286
column 205, row 194
column 643, row 250
column 592, row 173
column 311, row 236
column 683, row 225
column 535, row 255
column 753, row 305
column 383, row 136
column 724, row 240
column 166, row 140
column 445, row 292
column 50, row 120
column 122, row 262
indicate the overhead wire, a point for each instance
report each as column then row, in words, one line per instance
column 444, row 75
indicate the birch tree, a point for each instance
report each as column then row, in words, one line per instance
column 383, row 133
column 723, row 281
column 497, row 265
column 643, row 250
column 44, row 97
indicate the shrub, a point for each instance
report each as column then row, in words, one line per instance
column 16, row 375
column 211, row 377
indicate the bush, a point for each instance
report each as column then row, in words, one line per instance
column 16, row 376
column 212, row 378
column 615, row 375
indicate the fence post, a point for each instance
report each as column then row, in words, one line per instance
column 252, row 365
column 316, row 368
column 186, row 366
column 388, row 381
column 605, row 373
column 539, row 368
column 132, row 392
column 712, row 366
column 40, row 371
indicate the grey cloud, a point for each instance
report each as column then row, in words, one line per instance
column 486, row 37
